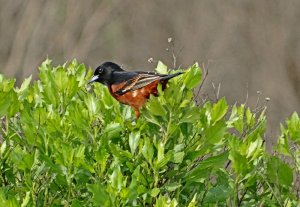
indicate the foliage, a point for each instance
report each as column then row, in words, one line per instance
column 62, row 145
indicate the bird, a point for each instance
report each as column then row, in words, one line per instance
column 132, row 88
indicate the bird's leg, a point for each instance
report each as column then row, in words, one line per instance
column 133, row 120
column 137, row 112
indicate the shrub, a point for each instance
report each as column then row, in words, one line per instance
column 63, row 145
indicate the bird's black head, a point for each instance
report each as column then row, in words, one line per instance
column 103, row 73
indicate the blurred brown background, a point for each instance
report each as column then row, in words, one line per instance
column 250, row 45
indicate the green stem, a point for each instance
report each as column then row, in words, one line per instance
column 46, row 197
column 33, row 195
column 274, row 193
column 168, row 129
column 6, row 125
column 236, row 192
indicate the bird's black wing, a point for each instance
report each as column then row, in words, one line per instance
column 142, row 79
column 122, row 76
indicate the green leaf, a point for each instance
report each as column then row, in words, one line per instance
column 215, row 161
column 22, row 159
column 161, row 68
column 283, row 146
column 101, row 157
column 92, row 106
column 160, row 151
column 151, row 118
column 215, row 133
column 23, row 91
column 197, row 175
column 237, row 118
column 294, row 127
column 193, row 76
column 279, row 172
column 255, row 148
column 26, row 199
column 71, row 89
column 178, row 157
column 112, row 130
column 50, row 164
column 121, row 154
column 133, row 191
column 165, row 159
column 80, row 75
column 2, row 148
column 191, row 115
column 66, row 155
column 100, row 195
column 250, row 118
column 14, row 106
column 172, row 186
column 148, row 150
column 77, row 203
column 217, row 194
column 6, row 85
column 134, row 138
column 193, row 202
column 162, row 201
column 219, row 110
column 82, row 176
column 202, row 170
column 156, row 108
column 116, row 178
column 239, row 162
column 4, row 103
column 45, row 65
column 154, row 192
column 50, row 94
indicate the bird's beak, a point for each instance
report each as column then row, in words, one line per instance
column 94, row 78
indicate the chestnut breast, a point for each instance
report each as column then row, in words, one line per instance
column 136, row 98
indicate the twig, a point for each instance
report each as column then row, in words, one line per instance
column 242, row 197
column 216, row 90
column 258, row 99
column 247, row 95
column 205, row 70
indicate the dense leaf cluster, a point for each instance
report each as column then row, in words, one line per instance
column 63, row 145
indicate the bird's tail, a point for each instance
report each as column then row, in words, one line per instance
column 168, row 77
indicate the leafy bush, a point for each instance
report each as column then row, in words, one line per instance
column 62, row 145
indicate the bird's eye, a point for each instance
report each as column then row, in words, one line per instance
column 100, row 70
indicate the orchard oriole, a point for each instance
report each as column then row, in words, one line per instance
column 130, row 88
